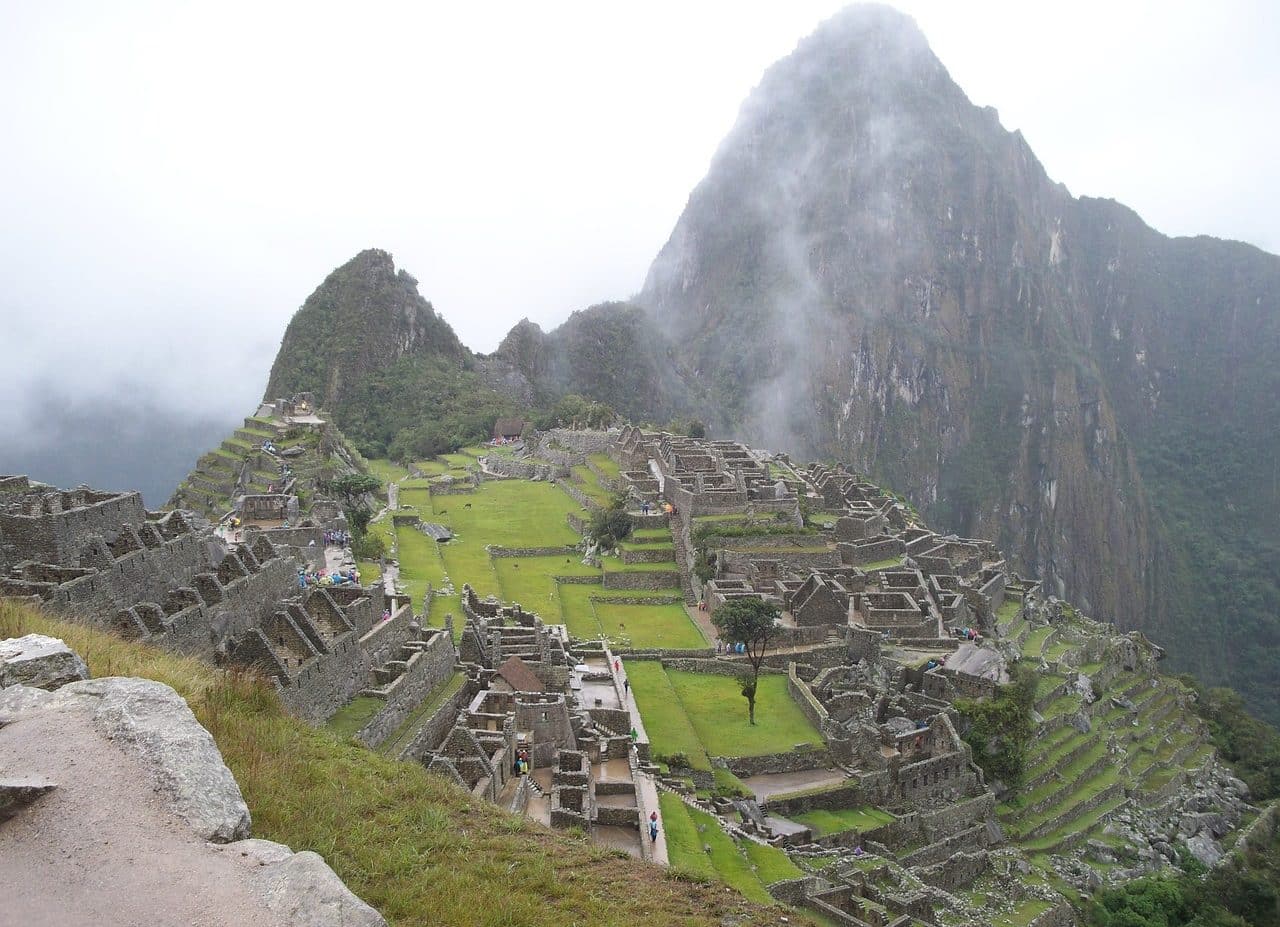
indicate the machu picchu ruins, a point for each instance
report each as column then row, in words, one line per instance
column 666, row 466
column 572, row 684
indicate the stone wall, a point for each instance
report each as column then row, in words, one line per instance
column 554, row 551
column 437, row 726
column 802, row 758
column 643, row 579
column 514, row 468
column 805, row 698
column 636, row 600
column 54, row 525
column 383, row 641
column 711, row 667
column 580, row 497
column 957, row 871
column 581, row 442
column 871, row 551
column 648, row 554
column 428, row 668
column 739, row 561
column 245, row 603
column 327, row 682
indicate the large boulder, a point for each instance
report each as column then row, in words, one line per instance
column 152, row 722
column 40, row 662
column 300, row 888
column 1205, row 849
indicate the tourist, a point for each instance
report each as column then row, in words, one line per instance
column 635, row 735
column 617, row 664
column 626, row 687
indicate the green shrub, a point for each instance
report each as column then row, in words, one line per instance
column 999, row 728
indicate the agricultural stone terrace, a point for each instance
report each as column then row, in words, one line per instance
column 584, row 688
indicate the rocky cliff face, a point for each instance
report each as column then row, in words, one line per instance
column 612, row 353
column 874, row 269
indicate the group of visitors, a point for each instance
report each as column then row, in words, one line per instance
column 723, row 647
column 967, row 634
column 521, row 766
column 328, row 578
column 337, row 538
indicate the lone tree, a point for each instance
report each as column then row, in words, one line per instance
column 753, row 622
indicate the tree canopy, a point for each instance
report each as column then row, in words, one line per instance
column 753, row 622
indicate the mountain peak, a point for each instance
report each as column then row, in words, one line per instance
column 365, row 316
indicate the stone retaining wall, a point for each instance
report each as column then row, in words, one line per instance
column 437, row 727
column 643, row 579
column 427, row 669
column 580, row 497
column 655, row 554
column 618, row 817
column 837, row 798
column 514, row 468
column 709, row 667
column 636, row 600
column 658, row 655
column 555, row 551
column 805, row 758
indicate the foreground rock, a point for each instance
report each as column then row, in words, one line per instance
column 152, row 723
column 39, row 661
column 300, row 887
column 117, row 808
column 18, row 793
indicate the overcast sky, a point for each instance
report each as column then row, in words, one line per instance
column 176, row 178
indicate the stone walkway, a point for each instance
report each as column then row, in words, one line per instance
column 647, row 800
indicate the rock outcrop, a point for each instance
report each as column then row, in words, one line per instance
column 39, row 662
column 152, row 723
column 116, row 777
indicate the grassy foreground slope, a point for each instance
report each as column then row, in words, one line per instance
column 418, row 849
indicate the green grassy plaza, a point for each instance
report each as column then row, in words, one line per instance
column 524, row 514
column 702, row 715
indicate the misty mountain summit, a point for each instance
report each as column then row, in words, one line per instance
column 875, row 270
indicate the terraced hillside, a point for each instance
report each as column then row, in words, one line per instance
column 1113, row 744
column 241, row 466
